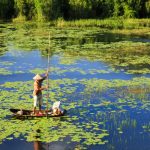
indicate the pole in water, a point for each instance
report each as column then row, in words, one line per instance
column 48, row 67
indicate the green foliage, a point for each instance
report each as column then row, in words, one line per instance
column 147, row 5
column 42, row 10
column 80, row 9
column 21, row 9
column 112, row 23
column 4, row 71
column 39, row 10
column 6, row 9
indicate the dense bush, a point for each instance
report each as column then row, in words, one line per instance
column 73, row 9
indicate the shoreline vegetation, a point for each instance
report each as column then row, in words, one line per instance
column 105, row 14
column 81, row 40
column 120, row 25
column 126, row 16
column 111, row 23
column 139, row 27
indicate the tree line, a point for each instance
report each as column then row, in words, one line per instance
column 47, row 10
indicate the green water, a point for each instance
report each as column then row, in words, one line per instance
column 102, row 79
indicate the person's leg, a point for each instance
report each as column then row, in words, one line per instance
column 35, row 103
column 40, row 101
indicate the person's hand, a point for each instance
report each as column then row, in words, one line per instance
column 47, row 73
column 46, row 87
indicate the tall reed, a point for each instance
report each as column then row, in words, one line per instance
column 111, row 23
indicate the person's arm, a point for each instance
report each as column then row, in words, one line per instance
column 45, row 75
column 43, row 88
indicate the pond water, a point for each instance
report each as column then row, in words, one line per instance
column 101, row 78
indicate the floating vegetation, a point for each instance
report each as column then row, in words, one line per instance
column 73, row 44
column 67, row 61
column 60, row 71
column 37, row 70
column 146, row 128
column 87, row 70
column 18, row 95
column 125, row 91
column 4, row 71
column 7, row 63
column 32, row 129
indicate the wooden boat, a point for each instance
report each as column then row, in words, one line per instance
column 22, row 113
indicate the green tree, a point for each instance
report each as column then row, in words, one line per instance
column 128, row 12
column 6, row 9
column 39, row 11
column 147, row 7
column 21, row 9
column 80, row 9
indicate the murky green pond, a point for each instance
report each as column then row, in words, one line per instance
column 102, row 79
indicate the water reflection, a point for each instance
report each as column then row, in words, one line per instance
column 38, row 145
column 3, row 46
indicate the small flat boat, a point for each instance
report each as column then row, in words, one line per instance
column 22, row 113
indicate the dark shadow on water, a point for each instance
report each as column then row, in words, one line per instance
column 38, row 145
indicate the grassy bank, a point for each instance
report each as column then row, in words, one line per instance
column 112, row 23
column 106, row 23
column 139, row 27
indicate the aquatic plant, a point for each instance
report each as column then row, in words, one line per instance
column 4, row 71
column 99, row 110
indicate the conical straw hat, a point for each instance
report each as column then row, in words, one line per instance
column 38, row 77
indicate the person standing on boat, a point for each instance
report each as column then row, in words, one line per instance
column 37, row 93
